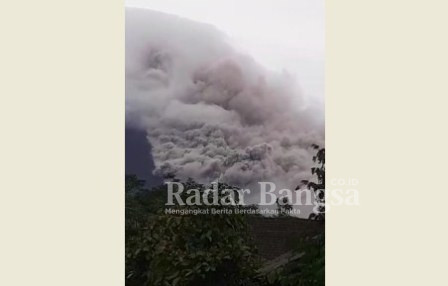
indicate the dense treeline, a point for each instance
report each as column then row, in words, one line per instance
column 167, row 249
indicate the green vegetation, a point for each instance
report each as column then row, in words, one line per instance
column 169, row 249
column 319, row 186
column 306, row 269
column 166, row 249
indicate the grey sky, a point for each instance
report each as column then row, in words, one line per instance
column 281, row 34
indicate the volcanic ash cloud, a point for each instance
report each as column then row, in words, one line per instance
column 210, row 111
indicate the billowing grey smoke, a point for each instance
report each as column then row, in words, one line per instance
column 211, row 112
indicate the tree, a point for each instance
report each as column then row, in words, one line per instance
column 283, row 206
column 172, row 249
column 318, row 187
column 133, row 184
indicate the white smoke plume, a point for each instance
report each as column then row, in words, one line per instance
column 210, row 111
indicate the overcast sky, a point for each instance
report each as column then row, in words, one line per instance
column 279, row 34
